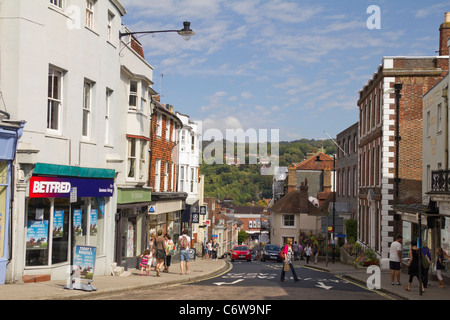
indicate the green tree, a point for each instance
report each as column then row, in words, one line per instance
column 242, row 236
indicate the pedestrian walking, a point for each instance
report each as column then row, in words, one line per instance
column 425, row 267
column 151, row 248
column 413, row 268
column 170, row 251
column 184, row 242
column 395, row 258
column 160, row 248
column 308, row 252
column 215, row 249
column 316, row 253
column 145, row 261
column 295, row 251
column 300, row 251
column 440, row 265
column 288, row 252
column 209, row 246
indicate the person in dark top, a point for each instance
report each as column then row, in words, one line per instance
column 413, row 268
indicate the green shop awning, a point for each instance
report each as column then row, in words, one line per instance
column 72, row 171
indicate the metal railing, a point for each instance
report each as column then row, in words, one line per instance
column 440, row 180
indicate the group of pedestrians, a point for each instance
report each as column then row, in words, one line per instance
column 160, row 250
column 309, row 251
column 291, row 252
column 418, row 264
column 210, row 250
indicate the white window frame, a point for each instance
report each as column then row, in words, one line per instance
column 109, row 28
column 54, row 101
column 166, row 175
column 173, row 182
column 192, row 180
column 58, row 3
column 90, row 11
column 142, row 158
column 87, row 109
column 143, row 97
column 131, row 158
column 174, row 133
column 167, row 128
column 182, row 178
column 183, row 140
column 133, row 95
column 159, row 124
column 109, row 93
column 157, row 174
column 283, row 220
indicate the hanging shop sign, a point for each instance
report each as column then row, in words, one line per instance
column 60, row 187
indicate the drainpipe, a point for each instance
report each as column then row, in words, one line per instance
column 445, row 96
column 398, row 88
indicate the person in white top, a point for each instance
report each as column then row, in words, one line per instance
column 184, row 243
column 395, row 258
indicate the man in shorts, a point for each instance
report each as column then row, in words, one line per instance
column 184, row 243
column 395, row 258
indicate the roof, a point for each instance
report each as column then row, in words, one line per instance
column 326, row 162
column 294, row 203
column 248, row 210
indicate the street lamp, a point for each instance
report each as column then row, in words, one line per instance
column 318, row 161
column 186, row 32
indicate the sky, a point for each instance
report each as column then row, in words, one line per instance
column 290, row 65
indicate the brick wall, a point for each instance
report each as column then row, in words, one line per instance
column 163, row 149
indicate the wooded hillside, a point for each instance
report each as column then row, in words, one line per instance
column 244, row 183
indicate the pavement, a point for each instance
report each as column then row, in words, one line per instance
column 201, row 269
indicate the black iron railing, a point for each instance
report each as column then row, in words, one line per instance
column 440, row 180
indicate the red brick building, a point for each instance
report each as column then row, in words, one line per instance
column 167, row 205
column 388, row 175
column 163, row 156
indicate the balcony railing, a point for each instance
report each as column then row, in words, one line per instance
column 440, row 180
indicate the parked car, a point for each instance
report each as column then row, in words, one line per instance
column 241, row 252
column 270, row 252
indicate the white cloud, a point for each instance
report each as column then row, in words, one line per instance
column 246, row 95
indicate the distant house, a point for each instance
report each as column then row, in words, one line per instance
column 295, row 213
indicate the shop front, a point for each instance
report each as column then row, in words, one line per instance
column 60, row 196
column 131, row 236
column 10, row 133
column 165, row 211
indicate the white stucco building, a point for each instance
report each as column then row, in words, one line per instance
column 60, row 72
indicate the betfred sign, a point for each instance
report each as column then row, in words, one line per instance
column 59, row 187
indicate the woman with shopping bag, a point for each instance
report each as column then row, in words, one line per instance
column 288, row 253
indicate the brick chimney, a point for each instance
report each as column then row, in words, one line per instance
column 303, row 207
column 444, row 35
column 292, row 179
column 327, row 179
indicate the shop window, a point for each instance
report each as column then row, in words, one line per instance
column 97, row 224
column 37, row 236
column 47, row 232
column 60, row 230
column 89, row 228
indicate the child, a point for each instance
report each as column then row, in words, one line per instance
column 145, row 258
column 440, row 266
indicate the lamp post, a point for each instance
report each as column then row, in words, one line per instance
column 333, row 258
column 186, row 32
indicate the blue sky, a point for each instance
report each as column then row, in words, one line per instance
column 296, row 66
